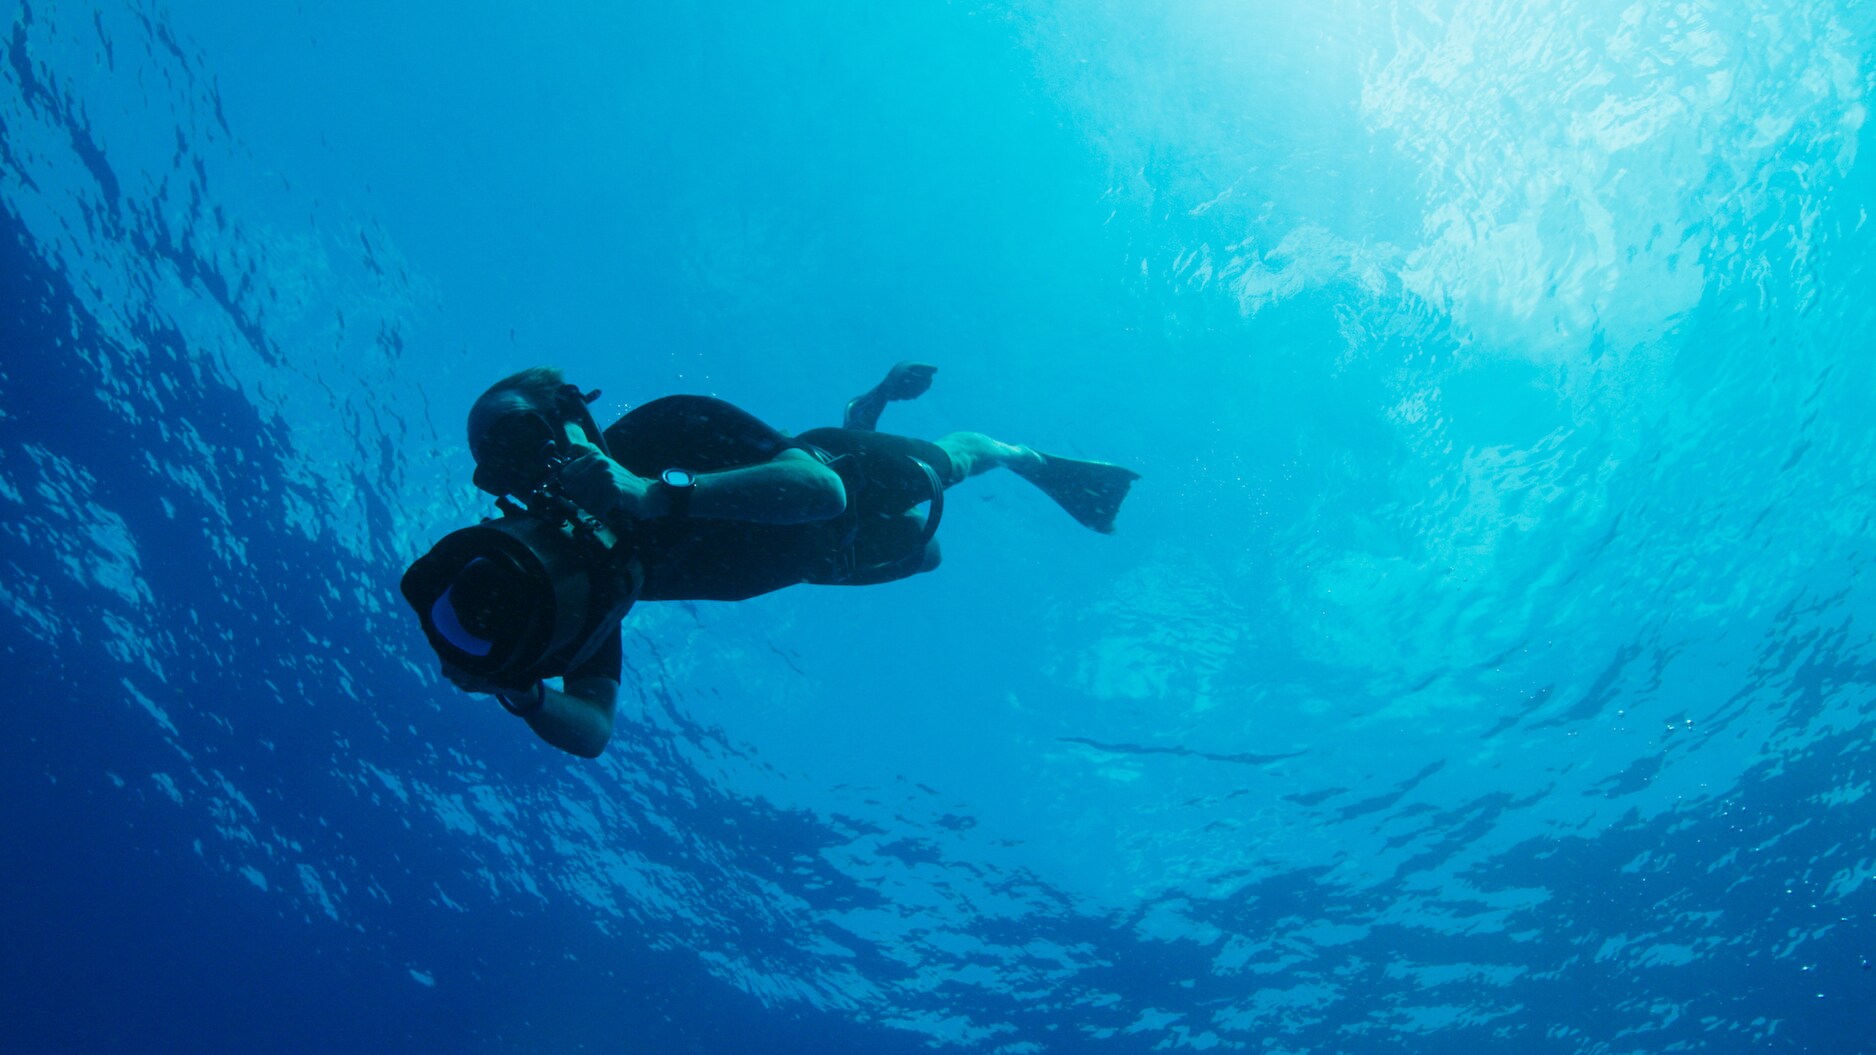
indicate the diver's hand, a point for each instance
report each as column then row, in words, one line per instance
column 468, row 682
column 907, row 380
column 605, row 488
column 515, row 701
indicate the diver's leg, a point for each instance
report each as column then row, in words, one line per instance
column 1091, row 492
column 972, row 453
column 933, row 556
column 906, row 380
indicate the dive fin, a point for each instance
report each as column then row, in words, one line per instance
column 1091, row 492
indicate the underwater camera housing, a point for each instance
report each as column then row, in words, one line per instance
column 525, row 596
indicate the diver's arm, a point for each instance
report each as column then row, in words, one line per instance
column 791, row 488
column 578, row 720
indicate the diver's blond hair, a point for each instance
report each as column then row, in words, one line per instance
column 535, row 387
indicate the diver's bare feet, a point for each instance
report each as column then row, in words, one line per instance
column 907, row 380
column 1021, row 460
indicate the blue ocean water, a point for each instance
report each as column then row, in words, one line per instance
column 1483, row 663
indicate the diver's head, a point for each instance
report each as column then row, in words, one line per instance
column 520, row 423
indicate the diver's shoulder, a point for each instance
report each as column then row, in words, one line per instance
column 678, row 408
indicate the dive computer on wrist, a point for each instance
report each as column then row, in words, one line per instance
column 525, row 705
column 677, row 485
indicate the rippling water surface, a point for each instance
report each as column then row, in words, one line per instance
column 1485, row 660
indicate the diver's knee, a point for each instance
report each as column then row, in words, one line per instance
column 960, row 451
column 972, row 453
column 933, row 557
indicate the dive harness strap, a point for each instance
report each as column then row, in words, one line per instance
column 849, row 569
column 937, row 503
column 913, row 553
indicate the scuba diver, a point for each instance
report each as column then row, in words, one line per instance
column 683, row 498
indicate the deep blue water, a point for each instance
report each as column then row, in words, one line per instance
column 1486, row 661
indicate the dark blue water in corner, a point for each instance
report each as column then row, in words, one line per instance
column 1483, row 663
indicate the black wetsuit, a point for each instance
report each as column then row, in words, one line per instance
column 696, row 558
